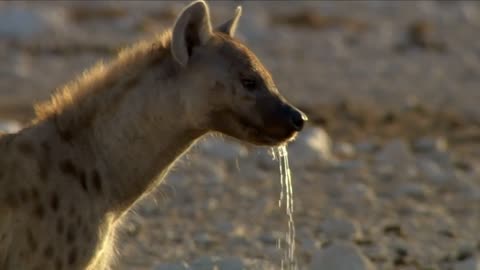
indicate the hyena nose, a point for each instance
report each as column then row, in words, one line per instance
column 298, row 119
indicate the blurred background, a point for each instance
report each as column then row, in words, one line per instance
column 386, row 176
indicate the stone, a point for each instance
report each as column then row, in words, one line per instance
column 312, row 147
column 231, row 263
column 343, row 150
column 340, row 256
column 396, row 152
column 366, row 147
column 216, row 263
column 472, row 263
column 204, row 240
column 271, row 238
column 427, row 144
column 395, row 160
column 339, row 228
column 413, row 190
column 360, row 193
column 9, row 126
column 432, row 172
column 204, row 263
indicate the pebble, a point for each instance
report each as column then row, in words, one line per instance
column 432, row 172
column 395, row 152
column 395, row 160
column 339, row 228
column 343, row 150
column 340, row 256
column 412, row 190
column 472, row 263
column 427, row 144
column 215, row 263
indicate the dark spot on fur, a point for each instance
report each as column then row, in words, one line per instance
column 25, row 148
column 54, row 202
column 79, row 220
column 45, row 162
column 60, row 227
column 83, row 180
column 71, row 236
column 132, row 82
column 35, row 194
column 58, row 264
column 11, row 199
column 48, row 251
column 31, row 241
column 66, row 166
column 39, row 211
column 86, row 232
column 109, row 84
column 72, row 210
column 72, row 256
column 97, row 181
column 66, row 135
column 24, row 195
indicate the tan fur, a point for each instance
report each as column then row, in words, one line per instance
column 108, row 138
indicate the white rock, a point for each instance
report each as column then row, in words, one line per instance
column 338, row 228
column 9, row 126
column 468, row 264
column 343, row 149
column 395, row 160
column 312, row 147
column 340, row 256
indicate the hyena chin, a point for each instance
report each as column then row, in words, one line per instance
column 103, row 140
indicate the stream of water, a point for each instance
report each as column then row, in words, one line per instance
column 286, row 198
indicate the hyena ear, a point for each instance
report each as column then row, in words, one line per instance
column 192, row 28
column 230, row 26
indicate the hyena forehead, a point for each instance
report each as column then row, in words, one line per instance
column 242, row 57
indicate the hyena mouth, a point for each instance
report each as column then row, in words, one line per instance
column 262, row 134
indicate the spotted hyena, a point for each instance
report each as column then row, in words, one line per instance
column 107, row 138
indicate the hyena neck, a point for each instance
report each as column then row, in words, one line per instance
column 133, row 118
column 137, row 148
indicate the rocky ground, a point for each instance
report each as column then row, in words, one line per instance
column 386, row 176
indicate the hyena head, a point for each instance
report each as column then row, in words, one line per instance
column 234, row 93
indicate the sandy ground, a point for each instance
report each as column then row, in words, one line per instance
column 394, row 83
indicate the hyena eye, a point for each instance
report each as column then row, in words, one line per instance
column 249, row 84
